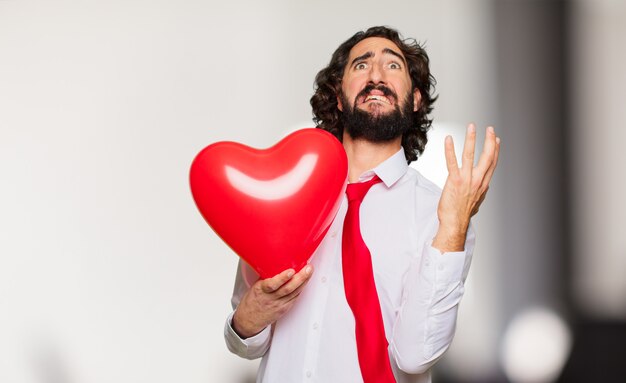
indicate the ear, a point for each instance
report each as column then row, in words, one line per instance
column 339, row 105
column 417, row 99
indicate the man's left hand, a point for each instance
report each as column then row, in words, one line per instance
column 465, row 188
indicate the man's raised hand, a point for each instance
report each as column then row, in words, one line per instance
column 465, row 188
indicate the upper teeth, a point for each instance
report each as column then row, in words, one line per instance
column 378, row 98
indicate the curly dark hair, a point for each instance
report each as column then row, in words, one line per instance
column 326, row 115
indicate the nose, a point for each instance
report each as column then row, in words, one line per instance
column 376, row 74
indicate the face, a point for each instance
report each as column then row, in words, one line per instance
column 376, row 79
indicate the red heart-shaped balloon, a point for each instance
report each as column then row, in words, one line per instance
column 273, row 206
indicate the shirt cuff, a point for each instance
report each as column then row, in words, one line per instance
column 438, row 268
column 249, row 347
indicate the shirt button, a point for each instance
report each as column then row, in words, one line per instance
column 334, row 234
column 308, row 374
column 440, row 267
column 315, row 326
column 323, row 279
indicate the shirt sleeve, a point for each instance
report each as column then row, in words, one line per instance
column 426, row 321
column 255, row 346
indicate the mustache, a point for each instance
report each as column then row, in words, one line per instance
column 370, row 87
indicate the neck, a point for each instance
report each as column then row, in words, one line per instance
column 364, row 155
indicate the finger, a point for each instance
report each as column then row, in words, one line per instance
column 494, row 163
column 467, row 161
column 270, row 285
column 451, row 163
column 479, row 202
column 295, row 293
column 298, row 280
column 487, row 156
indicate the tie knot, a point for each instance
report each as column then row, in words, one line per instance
column 357, row 191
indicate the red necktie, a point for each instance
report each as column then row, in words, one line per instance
column 358, row 278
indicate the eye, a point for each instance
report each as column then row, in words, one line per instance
column 394, row 65
column 360, row 66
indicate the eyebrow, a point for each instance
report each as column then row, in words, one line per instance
column 371, row 54
column 392, row 52
column 362, row 57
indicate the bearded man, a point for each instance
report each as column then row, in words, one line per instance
column 389, row 275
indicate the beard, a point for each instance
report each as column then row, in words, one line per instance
column 376, row 127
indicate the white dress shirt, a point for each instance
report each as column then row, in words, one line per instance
column 419, row 289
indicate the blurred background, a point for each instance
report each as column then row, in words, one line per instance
column 109, row 274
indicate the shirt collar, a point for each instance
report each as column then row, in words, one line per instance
column 390, row 170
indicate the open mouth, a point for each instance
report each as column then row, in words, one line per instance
column 379, row 94
column 374, row 97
